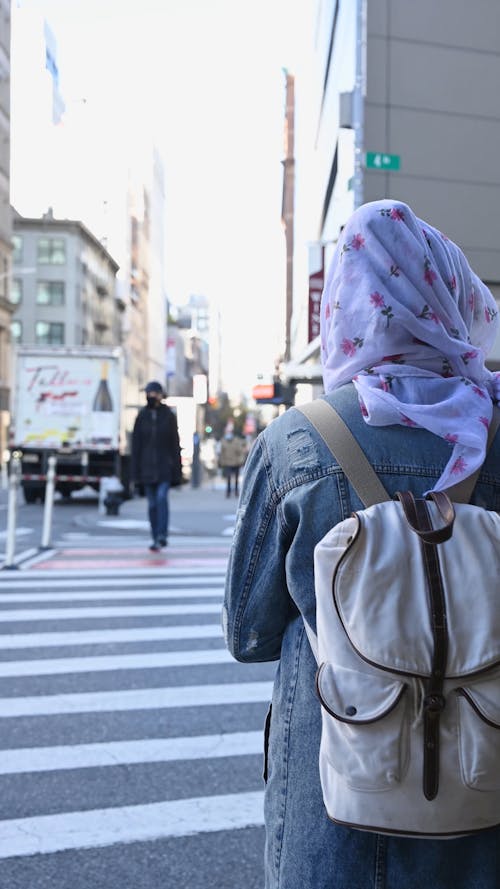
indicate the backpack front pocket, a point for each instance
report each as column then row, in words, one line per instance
column 479, row 734
column 365, row 726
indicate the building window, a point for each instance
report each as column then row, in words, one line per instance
column 17, row 248
column 50, row 293
column 49, row 333
column 52, row 251
column 16, row 291
column 16, row 331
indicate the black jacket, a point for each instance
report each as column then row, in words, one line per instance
column 156, row 453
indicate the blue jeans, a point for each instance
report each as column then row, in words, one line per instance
column 157, row 495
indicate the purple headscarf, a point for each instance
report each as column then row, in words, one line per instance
column 406, row 319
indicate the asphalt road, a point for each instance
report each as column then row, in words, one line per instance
column 194, row 511
column 131, row 744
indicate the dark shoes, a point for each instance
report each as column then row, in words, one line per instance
column 157, row 544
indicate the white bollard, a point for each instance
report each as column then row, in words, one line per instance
column 4, row 471
column 49, row 503
column 10, row 542
column 103, row 491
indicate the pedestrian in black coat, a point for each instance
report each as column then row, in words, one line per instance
column 156, row 459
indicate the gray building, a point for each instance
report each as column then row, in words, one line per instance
column 63, row 285
column 406, row 107
column 5, row 222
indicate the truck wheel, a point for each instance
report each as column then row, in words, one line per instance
column 31, row 494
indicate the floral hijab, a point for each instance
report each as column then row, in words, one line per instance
column 406, row 319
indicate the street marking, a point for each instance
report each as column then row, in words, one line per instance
column 105, row 663
column 158, row 570
column 20, row 532
column 43, row 834
column 19, row 557
column 116, row 753
column 32, row 557
column 71, row 638
column 137, row 699
column 123, row 541
column 103, row 552
column 32, row 614
column 93, row 596
column 19, row 582
column 57, row 564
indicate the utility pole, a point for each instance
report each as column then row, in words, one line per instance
column 287, row 213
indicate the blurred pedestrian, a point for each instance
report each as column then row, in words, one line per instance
column 405, row 328
column 232, row 456
column 156, row 459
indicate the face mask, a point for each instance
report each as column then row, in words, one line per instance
column 151, row 400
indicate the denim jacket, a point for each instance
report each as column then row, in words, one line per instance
column 293, row 493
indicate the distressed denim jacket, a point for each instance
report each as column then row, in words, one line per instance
column 293, row 493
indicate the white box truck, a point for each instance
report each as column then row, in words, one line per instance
column 68, row 402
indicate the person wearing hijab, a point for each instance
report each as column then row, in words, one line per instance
column 406, row 327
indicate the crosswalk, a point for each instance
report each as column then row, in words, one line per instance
column 123, row 719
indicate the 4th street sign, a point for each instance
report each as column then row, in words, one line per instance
column 377, row 160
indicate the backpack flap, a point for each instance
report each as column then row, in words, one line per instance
column 365, row 727
column 380, row 591
column 354, row 697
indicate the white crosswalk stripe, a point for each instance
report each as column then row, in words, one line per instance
column 156, row 581
column 109, row 637
column 93, row 596
column 125, row 685
column 104, row 827
column 144, row 699
column 144, row 661
column 37, row 614
column 87, row 756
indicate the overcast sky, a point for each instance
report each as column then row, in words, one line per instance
column 205, row 76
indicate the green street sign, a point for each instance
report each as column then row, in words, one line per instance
column 377, row 160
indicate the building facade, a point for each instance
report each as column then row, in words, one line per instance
column 63, row 285
column 113, row 185
column 188, row 347
column 5, row 224
column 405, row 100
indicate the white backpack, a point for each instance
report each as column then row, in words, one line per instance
column 408, row 651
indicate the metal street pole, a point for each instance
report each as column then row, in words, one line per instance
column 358, row 104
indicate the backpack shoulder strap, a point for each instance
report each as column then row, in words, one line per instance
column 346, row 450
column 350, row 457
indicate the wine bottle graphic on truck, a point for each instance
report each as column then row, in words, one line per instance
column 103, row 400
column 103, row 418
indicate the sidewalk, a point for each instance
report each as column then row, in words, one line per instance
column 191, row 508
